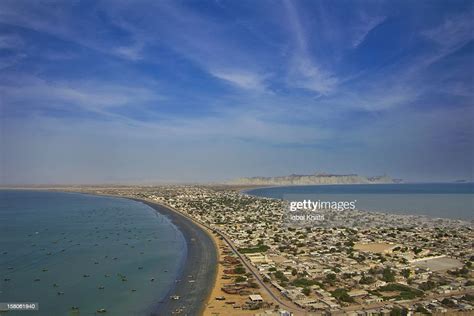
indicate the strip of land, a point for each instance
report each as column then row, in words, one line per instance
column 219, row 242
column 364, row 262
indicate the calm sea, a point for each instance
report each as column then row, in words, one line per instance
column 445, row 200
column 67, row 249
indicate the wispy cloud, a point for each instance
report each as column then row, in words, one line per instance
column 233, row 79
column 305, row 74
column 10, row 41
column 11, row 47
column 242, row 79
column 364, row 26
column 58, row 20
column 453, row 33
column 90, row 95
column 303, row 71
column 133, row 53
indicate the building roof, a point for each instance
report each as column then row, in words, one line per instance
column 255, row 297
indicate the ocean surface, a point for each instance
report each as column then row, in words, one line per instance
column 444, row 200
column 67, row 249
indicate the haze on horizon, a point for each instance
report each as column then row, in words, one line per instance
column 169, row 91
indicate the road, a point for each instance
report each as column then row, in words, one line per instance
column 285, row 304
column 291, row 307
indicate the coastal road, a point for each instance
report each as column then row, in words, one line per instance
column 285, row 304
column 288, row 305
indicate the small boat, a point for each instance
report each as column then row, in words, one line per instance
column 175, row 297
column 75, row 308
column 60, row 293
column 101, row 287
column 86, row 275
column 102, row 311
column 152, row 279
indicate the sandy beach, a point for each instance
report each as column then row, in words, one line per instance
column 223, row 307
column 198, row 273
column 205, row 249
column 208, row 249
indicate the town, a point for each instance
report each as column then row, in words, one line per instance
column 363, row 263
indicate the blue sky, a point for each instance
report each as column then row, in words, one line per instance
column 166, row 91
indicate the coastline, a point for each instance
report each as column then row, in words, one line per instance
column 197, row 270
column 200, row 266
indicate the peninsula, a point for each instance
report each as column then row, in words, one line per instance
column 367, row 263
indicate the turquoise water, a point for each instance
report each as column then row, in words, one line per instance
column 75, row 244
column 445, row 200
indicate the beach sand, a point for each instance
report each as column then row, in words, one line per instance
column 205, row 248
column 198, row 273
column 221, row 307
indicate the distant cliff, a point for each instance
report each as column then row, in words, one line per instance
column 318, row 178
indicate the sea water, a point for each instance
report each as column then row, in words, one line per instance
column 441, row 200
column 65, row 250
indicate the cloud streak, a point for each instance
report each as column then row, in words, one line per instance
column 305, row 85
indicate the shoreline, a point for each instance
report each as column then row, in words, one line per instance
column 197, row 273
column 199, row 267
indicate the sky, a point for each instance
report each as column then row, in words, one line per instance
column 204, row 91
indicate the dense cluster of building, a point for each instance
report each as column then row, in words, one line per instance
column 365, row 264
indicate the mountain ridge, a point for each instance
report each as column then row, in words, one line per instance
column 317, row 178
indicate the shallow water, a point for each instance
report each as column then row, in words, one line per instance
column 75, row 244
